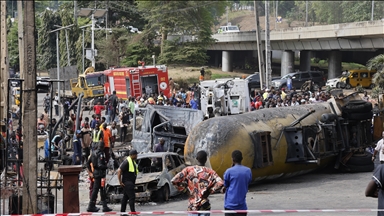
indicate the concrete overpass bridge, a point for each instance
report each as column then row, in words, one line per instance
column 326, row 40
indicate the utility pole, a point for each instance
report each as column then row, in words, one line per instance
column 268, row 70
column 75, row 11
column 93, row 40
column 260, row 55
column 306, row 13
column 58, row 54
column 20, row 34
column 372, row 9
column 29, row 111
column 4, row 71
column 66, row 42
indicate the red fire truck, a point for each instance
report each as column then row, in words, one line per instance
column 135, row 81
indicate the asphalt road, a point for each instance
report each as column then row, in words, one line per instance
column 318, row 190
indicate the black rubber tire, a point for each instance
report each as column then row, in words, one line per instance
column 358, row 107
column 338, row 85
column 348, row 86
column 357, row 102
column 360, row 160
column 364, row 168
column 360, row 116
column 163, row 194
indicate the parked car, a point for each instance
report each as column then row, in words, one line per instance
column 153, row 182
column 335, row 82
column 253, row 80
column 42, row 83
column 299, row 78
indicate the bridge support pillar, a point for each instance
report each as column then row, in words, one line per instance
column 227, row 61
column 334, row 64
column 305, row 60
column 287, row 62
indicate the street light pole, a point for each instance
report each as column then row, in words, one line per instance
column 372, row 9
column 93, row 41
column 83, row 50
column 58, row 65
column 66, row 41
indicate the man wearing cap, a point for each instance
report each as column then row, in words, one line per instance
column 160, row 101
column 126, row 174
column 76, row 158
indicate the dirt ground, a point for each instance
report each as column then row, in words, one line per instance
column 185, row 72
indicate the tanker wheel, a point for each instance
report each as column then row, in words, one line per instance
column 338, row 85
column 372, row 86
column 358, row 107
column 348, row 86
column 360, row 168
column 360, row 159
column 360, row 116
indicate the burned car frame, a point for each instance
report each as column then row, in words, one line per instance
column 153, row 183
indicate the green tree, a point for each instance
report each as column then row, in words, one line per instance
column 113, row 49
column 13, row 44
column 192, row 18
column 46, row 42
column 377, row 63
column 355, row 11
column 328, row 12
column 66, row 17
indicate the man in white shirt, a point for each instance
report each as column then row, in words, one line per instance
column 379, row 148
column 56, row 104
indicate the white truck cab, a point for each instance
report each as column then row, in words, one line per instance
column 224, row 97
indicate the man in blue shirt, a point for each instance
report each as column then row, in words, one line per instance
column 77, row 152
column 236, row 181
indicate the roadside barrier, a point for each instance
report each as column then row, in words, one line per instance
column 212, row 212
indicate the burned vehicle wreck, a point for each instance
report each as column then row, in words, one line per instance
column 173, row 124
column 153, row 183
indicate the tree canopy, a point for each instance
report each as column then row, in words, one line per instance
column 173, row 31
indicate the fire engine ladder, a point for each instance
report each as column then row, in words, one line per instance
column 136, row 84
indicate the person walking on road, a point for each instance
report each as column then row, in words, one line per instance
column 202, row 74
column 375, row 188
column 379, row 148
column 236, row 181
column 126, row 174
column 56, row 104
column 200, row 181
column 99, row 173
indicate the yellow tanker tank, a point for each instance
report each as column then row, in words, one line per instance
column 278, row 142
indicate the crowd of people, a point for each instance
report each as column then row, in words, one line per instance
column 270, row 98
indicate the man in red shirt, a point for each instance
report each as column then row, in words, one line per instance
column 259, row 103
column 98, row 108
column 200, row 181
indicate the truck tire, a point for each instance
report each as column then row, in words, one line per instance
column 360, row 160
column 358, row 106
column 360, row 116
column 363, row 168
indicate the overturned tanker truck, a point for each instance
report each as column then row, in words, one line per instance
column 288, row 141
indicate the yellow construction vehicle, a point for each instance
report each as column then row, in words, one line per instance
column 16, row 94
column 91, row 84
